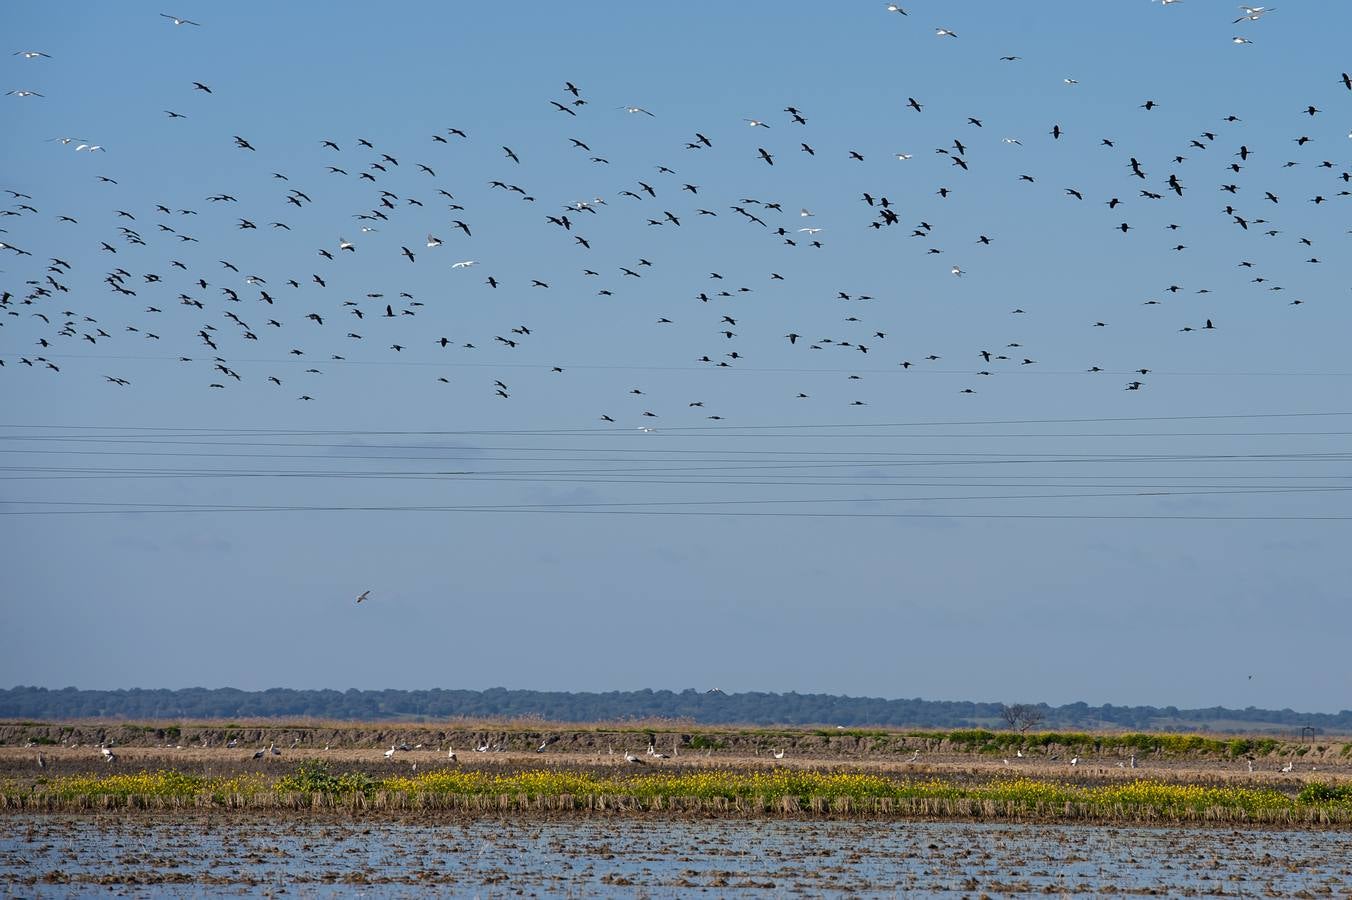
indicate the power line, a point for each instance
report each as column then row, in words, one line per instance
column 645, row 474
column 684, row 513
column 549, row 431
column 751, row 501
column 913, row 372
column 132, row 439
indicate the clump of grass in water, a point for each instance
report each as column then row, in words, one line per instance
column 1318, row 792
column 315, row 777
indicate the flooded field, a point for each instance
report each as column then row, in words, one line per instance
column 147, row 856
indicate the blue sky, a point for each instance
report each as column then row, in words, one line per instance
column 1051, row 536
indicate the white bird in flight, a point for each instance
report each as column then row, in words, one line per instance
column 944, row 32
column 32, row 54
column 22, row 94
column 464, row 264
column 956, row 271
column 1254, row 13
column 636, row 109
column 892, row 7
column 177, row 21
column 433, row 241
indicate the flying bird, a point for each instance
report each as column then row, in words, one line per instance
column 1253, row 13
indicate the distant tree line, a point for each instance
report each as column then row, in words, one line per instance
column 709, row 708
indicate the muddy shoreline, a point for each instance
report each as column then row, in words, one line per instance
column 621, row 810
column 163, row 856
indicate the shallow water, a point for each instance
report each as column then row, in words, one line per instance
column 140, row 856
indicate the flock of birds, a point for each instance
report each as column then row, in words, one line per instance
column 107, row 755
column 205, row 304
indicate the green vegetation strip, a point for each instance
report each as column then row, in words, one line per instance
column 777, row 791
column 982, row 741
